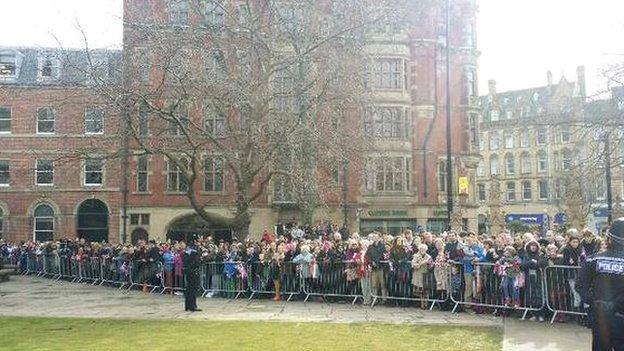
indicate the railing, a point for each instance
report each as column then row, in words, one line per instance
column 338, row 279
column 224, row 279
column 265, row 278
column 485, row 286
column 561, row 297
column 404, row 281
column 488, row 286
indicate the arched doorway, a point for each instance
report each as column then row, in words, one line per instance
column 139, row 234
column 184, row 227
column 93, row 221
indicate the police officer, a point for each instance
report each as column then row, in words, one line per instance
column 191, row 262
column 601, row 285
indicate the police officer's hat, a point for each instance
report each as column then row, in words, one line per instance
column 616, row 230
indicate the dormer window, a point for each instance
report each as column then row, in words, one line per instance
column 7, row 65
column 48, row 66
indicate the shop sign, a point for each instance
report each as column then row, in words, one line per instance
column 387, row 213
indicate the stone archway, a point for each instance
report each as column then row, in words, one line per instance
column 183, row 228
column 139, row 234
column 93, row 221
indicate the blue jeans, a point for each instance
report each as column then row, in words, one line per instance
column 509, row 290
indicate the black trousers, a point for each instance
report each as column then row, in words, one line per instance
column 607, row 329
column 190, row 291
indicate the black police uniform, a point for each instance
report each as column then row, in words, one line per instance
column 601, row 285
column 191, row 261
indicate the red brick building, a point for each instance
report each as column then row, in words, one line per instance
column 401, row 186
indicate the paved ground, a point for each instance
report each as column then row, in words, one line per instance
column 29, row 296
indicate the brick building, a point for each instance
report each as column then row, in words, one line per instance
column 402, row 184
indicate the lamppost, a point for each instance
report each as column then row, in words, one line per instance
column 607, row 162
column 449, row 162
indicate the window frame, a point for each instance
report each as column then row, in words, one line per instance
column 84, row 173
column 44, row 219
column 9, row 119
column 142, row 172
column 92, row 120
column 510, row 192
column 212, row 174
column 524, row 190
column 53, row 120
column 55, row 66
column 39, row 171
column 8, row 173
column 385, row 74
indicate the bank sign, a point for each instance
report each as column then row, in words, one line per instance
column 387, row 213
column 531, row 219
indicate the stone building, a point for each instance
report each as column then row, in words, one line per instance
column 529, row 143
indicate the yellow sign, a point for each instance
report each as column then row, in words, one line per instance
column 463, row 185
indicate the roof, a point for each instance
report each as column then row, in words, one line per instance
column 73, row 65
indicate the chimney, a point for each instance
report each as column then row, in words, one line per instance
column 549, row 77
column 580, row 80
column 492, row 87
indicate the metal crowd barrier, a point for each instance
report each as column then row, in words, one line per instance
column 262, row 278
column 146, row 274
column 51, row 265
column 484, row 288
column 89, row 270
column 338, row 279
column 401, row 282
column 561, row 297
column 114, row 271
column 226, row 279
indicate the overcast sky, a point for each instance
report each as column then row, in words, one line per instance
column 519, row 39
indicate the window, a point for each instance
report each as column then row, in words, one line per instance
column 214, row 14
column 482, row 138
column 8, row 65
column 283, row 88
column 566, row 160
column 142, row 65
column 388, row 73
column 494, row 141
column 142, row 174
column 542, row 161
column 471, row 83
column 1, row 223
column 213, row 174
column 387, row 122
column 43, row 223
column 481, row 169
column 525, row 163
column 5, row 176
column 388, row 174
column 216, row 68
column 244, row 15
column 543, row 189
column 565, row 134
column 94, row 120
column 511, row 192
column 44, row 174
column 442, row 176
column 510, row 164
column 176, row 180
column 541, row 136
column 48, row 66
column 509, row 141
column 509, row 114
column 179, row 122
column 600, row 189
column 45, row 120
column 144, row 117
column 481, row 192
column 214, row 123
column 526, row 191
column 139, row 219
column 524, row 139
column 5, row 120
column 493, row 165
column 179, row 12
column 93, row 172
column 494, row 115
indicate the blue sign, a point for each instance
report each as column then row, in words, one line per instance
column 601, row 212
column 561, row 218
column 531, row 219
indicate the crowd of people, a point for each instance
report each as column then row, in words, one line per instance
column 479, row 271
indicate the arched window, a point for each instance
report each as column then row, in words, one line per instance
column 93, row 221
column 493, row 165
column 566, row 160
column 542, row 161
column 45, row 120
column 510, row 164
column 43, row 229
column 525, row 163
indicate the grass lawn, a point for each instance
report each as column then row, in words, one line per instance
column 17, row 333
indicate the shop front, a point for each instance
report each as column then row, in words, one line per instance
column 391, row 221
